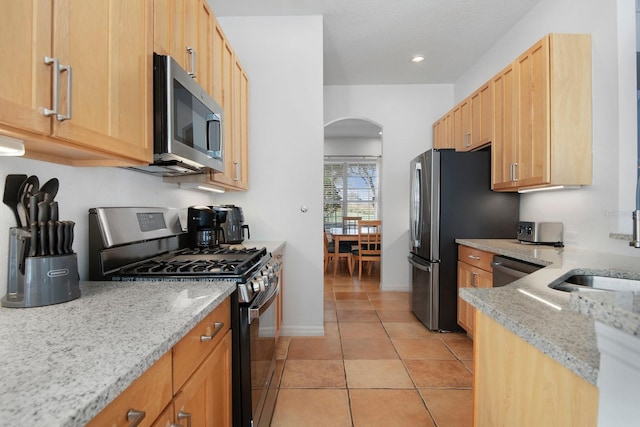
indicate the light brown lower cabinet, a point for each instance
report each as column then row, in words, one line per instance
column 189, row 385
column 474, row 271
column 517, row 385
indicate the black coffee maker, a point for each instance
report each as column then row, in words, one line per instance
column 202, row 227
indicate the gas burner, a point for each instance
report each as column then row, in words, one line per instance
column 221, row 262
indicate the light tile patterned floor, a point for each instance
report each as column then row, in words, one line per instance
column 375, row 366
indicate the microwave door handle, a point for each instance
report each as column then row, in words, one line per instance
column 215, row 119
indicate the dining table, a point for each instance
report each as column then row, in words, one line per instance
column 350, row 235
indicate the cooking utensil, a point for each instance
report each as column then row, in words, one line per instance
column 53, row 211
column 27, row 188
column 50, row 189
column 12, row 186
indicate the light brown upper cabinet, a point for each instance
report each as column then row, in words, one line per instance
column 552, row 81
column 184, row 29
column 442, row 132
column 505, row 132
column 77, row 80
column 231, row 91
column 481, row 110
column 462, row 125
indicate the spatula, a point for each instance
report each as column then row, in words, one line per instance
column 10, row 198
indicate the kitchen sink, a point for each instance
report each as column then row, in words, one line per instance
column 588, row 282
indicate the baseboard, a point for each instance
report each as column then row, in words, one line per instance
column 395, row 287
column 302, row 331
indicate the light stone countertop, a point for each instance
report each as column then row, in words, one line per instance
column 565, row 333
column 61, row 364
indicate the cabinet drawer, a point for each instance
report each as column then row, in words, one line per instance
column 475, row 257
column 189, row 353
column 150, row 393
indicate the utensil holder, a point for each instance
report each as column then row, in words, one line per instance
column 40, row 280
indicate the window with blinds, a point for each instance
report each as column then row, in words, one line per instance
column 350, row 189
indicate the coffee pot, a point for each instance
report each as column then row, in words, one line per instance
column 202, row 227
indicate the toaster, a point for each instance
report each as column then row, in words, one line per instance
column 543, row 233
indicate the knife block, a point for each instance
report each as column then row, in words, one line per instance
column 40, row 280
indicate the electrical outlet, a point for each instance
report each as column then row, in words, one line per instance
column 570, row 236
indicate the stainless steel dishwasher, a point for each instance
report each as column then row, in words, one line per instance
column 507, row 270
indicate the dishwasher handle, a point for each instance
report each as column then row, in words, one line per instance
column 510, row 271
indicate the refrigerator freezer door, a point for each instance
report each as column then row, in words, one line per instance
column 424, row 205
column 425, row 291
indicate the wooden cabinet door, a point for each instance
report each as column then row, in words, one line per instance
column 533, row 116
column 25, row 86
column 226, row 58
column 462, row 126
column 205, row 399
column 505, row 116
column 241, row 126
column 150, row 393
column 447, row 131
column 515, row 384
column 437, row 134
column 470, row 277
column 481, row 108
column 183, row 29
column 111, row 98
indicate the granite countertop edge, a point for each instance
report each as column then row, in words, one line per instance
column 567, row 333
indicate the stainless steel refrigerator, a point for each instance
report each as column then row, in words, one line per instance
column 450, row 198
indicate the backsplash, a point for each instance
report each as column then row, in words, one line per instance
column 84, row 188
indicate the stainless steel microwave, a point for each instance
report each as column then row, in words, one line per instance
column 187, row 123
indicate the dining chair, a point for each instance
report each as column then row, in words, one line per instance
column 369, row 247
column 344, row 251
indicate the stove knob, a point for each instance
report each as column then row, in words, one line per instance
column 255, row 284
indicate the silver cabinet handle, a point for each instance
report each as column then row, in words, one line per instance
column 194, row 61
column 467, row 139
column 217, row 327
column 185, row 415
column 515, row 172
column 477, row 258
column 236, row 167
column 55, row 86
column 63, row 117
column 135, row 417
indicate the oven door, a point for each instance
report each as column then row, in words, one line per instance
column 262, row 332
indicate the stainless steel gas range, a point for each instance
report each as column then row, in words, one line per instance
column 131, row 243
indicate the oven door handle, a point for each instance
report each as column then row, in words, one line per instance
column 256, row 312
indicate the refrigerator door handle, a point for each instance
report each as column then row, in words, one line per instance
column 417, row 205
column 418, row 266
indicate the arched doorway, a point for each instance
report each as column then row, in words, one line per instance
column 352, row 173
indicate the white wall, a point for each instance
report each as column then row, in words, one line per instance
column 406, row 114
column 352, row 147
column 283, row 59
column 84, row 188
column 595, row 211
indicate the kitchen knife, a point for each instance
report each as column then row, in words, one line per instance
column 67, row 237
column 53, row 211
column 60, row 237
column 51, row 228
column 32, row 204
column 43, row 217
column 70, row 246
column 42, row 233
column 33, row 248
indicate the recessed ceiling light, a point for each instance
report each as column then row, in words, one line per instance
column 417, row 58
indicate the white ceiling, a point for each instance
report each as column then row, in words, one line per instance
column 372, row 41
